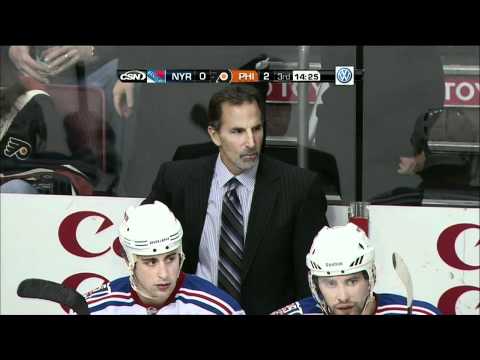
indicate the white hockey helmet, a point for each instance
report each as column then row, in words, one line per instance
column 150, row 229
column 339, row 250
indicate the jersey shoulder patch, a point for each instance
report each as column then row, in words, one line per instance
column 306, row 306
column 290, row 309
column 102, row 289
column 115, row 293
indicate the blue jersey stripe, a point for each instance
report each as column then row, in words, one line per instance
column 110, row 303
column 200, row 304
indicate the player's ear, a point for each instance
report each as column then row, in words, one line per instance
column 214, row 135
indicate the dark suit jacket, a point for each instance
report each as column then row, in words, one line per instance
column 321, row 162
column 288, row 209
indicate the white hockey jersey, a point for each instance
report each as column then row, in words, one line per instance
column 387, row 304
column 192, row 296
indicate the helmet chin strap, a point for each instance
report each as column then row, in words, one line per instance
column 327, row 309
column 370, row 299
column 131, row 269
column 137, row 290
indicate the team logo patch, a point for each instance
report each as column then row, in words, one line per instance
column 292, row 309
column 18, row 148
column 101, row 288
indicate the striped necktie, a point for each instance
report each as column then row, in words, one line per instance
column 231, row 242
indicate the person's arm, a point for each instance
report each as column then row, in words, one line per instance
column 124, row 98
column 310, row 219
column 124, row 93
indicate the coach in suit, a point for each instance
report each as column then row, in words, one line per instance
column 248, row 220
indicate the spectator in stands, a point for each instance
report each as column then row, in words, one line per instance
column 31, row 157
column 90, row 66
column 444, row 175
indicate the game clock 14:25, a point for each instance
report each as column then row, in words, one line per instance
column 306, row 75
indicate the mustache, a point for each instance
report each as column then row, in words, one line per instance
column 249, row 154
column 345, row 307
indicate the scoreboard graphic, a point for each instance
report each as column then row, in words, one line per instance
column 234, row 76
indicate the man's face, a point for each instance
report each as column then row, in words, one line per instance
column 157, row 276
column 239, row 137
column 345, row 294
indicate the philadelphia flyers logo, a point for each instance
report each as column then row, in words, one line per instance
column 18, row 148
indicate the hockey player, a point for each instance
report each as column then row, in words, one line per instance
column 341, row 265
column 151, row 237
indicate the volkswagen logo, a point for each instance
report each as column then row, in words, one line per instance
column 344, row 75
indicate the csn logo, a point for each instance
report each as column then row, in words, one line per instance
column 132, row 75
column 343, row 75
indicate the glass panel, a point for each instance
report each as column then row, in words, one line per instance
column 421, row 125
column 113, row 155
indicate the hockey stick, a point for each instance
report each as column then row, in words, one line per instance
column 52, row 291
column 404, row 275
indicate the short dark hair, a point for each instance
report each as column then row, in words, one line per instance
column 234, row 95
column 365, row 275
